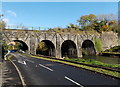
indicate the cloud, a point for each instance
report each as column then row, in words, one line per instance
column 8, row 25
column 5, row 20
column 12, row 13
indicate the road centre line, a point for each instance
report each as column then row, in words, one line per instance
column 29, row 60
column 14, row 60
column 45, row 67
column 73, row 81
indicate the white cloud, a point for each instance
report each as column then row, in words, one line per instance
column 12, row 13
column 8, row 25
column 5, row 20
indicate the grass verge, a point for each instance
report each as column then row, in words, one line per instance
column 94, row 62
column 112, row 52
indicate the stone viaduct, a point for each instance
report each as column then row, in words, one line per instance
column 59, row 42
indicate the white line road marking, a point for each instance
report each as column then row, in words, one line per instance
column 73, row 81
column 14, row 60
column 19, row 73
column 45, row 67
column 22, row 62
column 30, row 61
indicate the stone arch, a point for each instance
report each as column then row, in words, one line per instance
column 69, row 49
column 24, row 46
column 49, row 50
column 88, row 48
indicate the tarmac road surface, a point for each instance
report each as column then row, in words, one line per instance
column 42, row 72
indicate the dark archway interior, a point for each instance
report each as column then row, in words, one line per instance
column 23, row 45
column 69, row 49
column 88, row 48
column 50, row 49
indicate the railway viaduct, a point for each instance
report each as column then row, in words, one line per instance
column 60, row 44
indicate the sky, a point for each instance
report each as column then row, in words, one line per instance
column 53, row 14
column 60, row 0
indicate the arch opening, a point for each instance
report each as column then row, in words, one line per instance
column 22, row 45
column 46, row 48
column 68, row 49
column 88, row 48
column 17, row 45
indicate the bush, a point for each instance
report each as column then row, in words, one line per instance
column 98, row 44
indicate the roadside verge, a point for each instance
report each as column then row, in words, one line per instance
column 23, row 84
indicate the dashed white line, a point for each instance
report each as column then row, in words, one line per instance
column 73, row 81
column 30, row 61
column 14, row 60
column 45, row 67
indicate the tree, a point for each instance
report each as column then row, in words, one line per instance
column 73, row 26
column 17, row 46
column 2, row 25
column 101, row 25
column 86, row 21
column 114, row 25
column 42, row 46
column 98, row 23
column 107, row 22
column 12, row 45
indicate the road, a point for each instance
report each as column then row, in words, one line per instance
column 42, row 72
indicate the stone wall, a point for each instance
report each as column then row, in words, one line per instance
column 31, row 38
column 109, row 39
column 119, row 39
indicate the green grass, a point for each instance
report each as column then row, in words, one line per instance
column 94, row 62
column 111, row 52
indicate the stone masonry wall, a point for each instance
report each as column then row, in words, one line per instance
column 109, row 39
